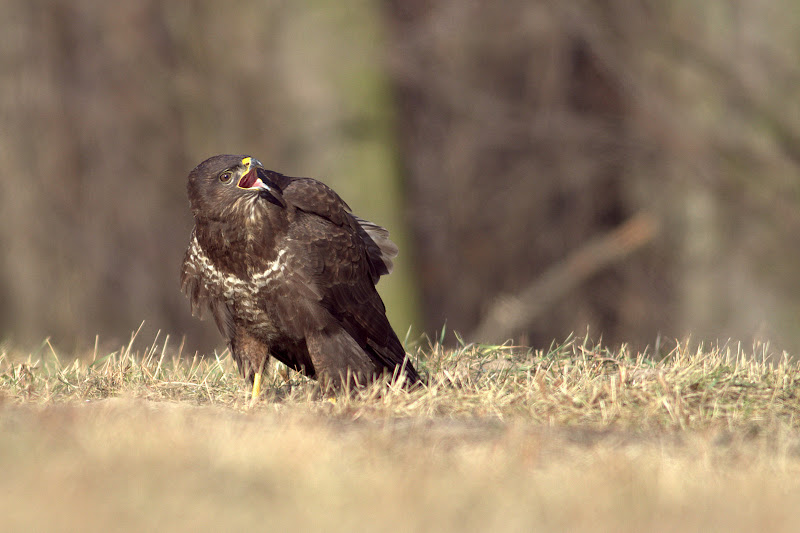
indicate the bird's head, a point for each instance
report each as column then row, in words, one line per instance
column 221, row 183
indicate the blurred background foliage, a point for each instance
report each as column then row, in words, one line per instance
column 504, row 145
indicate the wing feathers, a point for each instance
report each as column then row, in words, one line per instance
column 380, row 249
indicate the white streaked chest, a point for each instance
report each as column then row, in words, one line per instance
column 241, row 293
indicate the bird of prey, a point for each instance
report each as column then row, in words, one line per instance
column 287, row 271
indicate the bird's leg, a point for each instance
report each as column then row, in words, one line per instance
column 257, row 383
column 256, row 388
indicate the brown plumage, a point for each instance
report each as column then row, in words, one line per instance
column 286, row 270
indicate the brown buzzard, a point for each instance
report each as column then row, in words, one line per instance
column 286, row 270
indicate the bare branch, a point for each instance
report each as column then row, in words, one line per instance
column 512, row 313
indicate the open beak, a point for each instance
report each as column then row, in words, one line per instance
column 250, row 180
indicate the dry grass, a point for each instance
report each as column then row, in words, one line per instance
column 576, row 438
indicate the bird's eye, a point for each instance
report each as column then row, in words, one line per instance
column 225, row 177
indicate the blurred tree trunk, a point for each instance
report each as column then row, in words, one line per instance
column 515, row 147
column 96, row 142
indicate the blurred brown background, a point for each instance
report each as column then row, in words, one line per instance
column 632, row 166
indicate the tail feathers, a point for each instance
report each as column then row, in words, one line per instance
column 338, row 357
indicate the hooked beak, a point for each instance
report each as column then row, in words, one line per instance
column 250, row 180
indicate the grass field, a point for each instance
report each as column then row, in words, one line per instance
column 574, row 438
